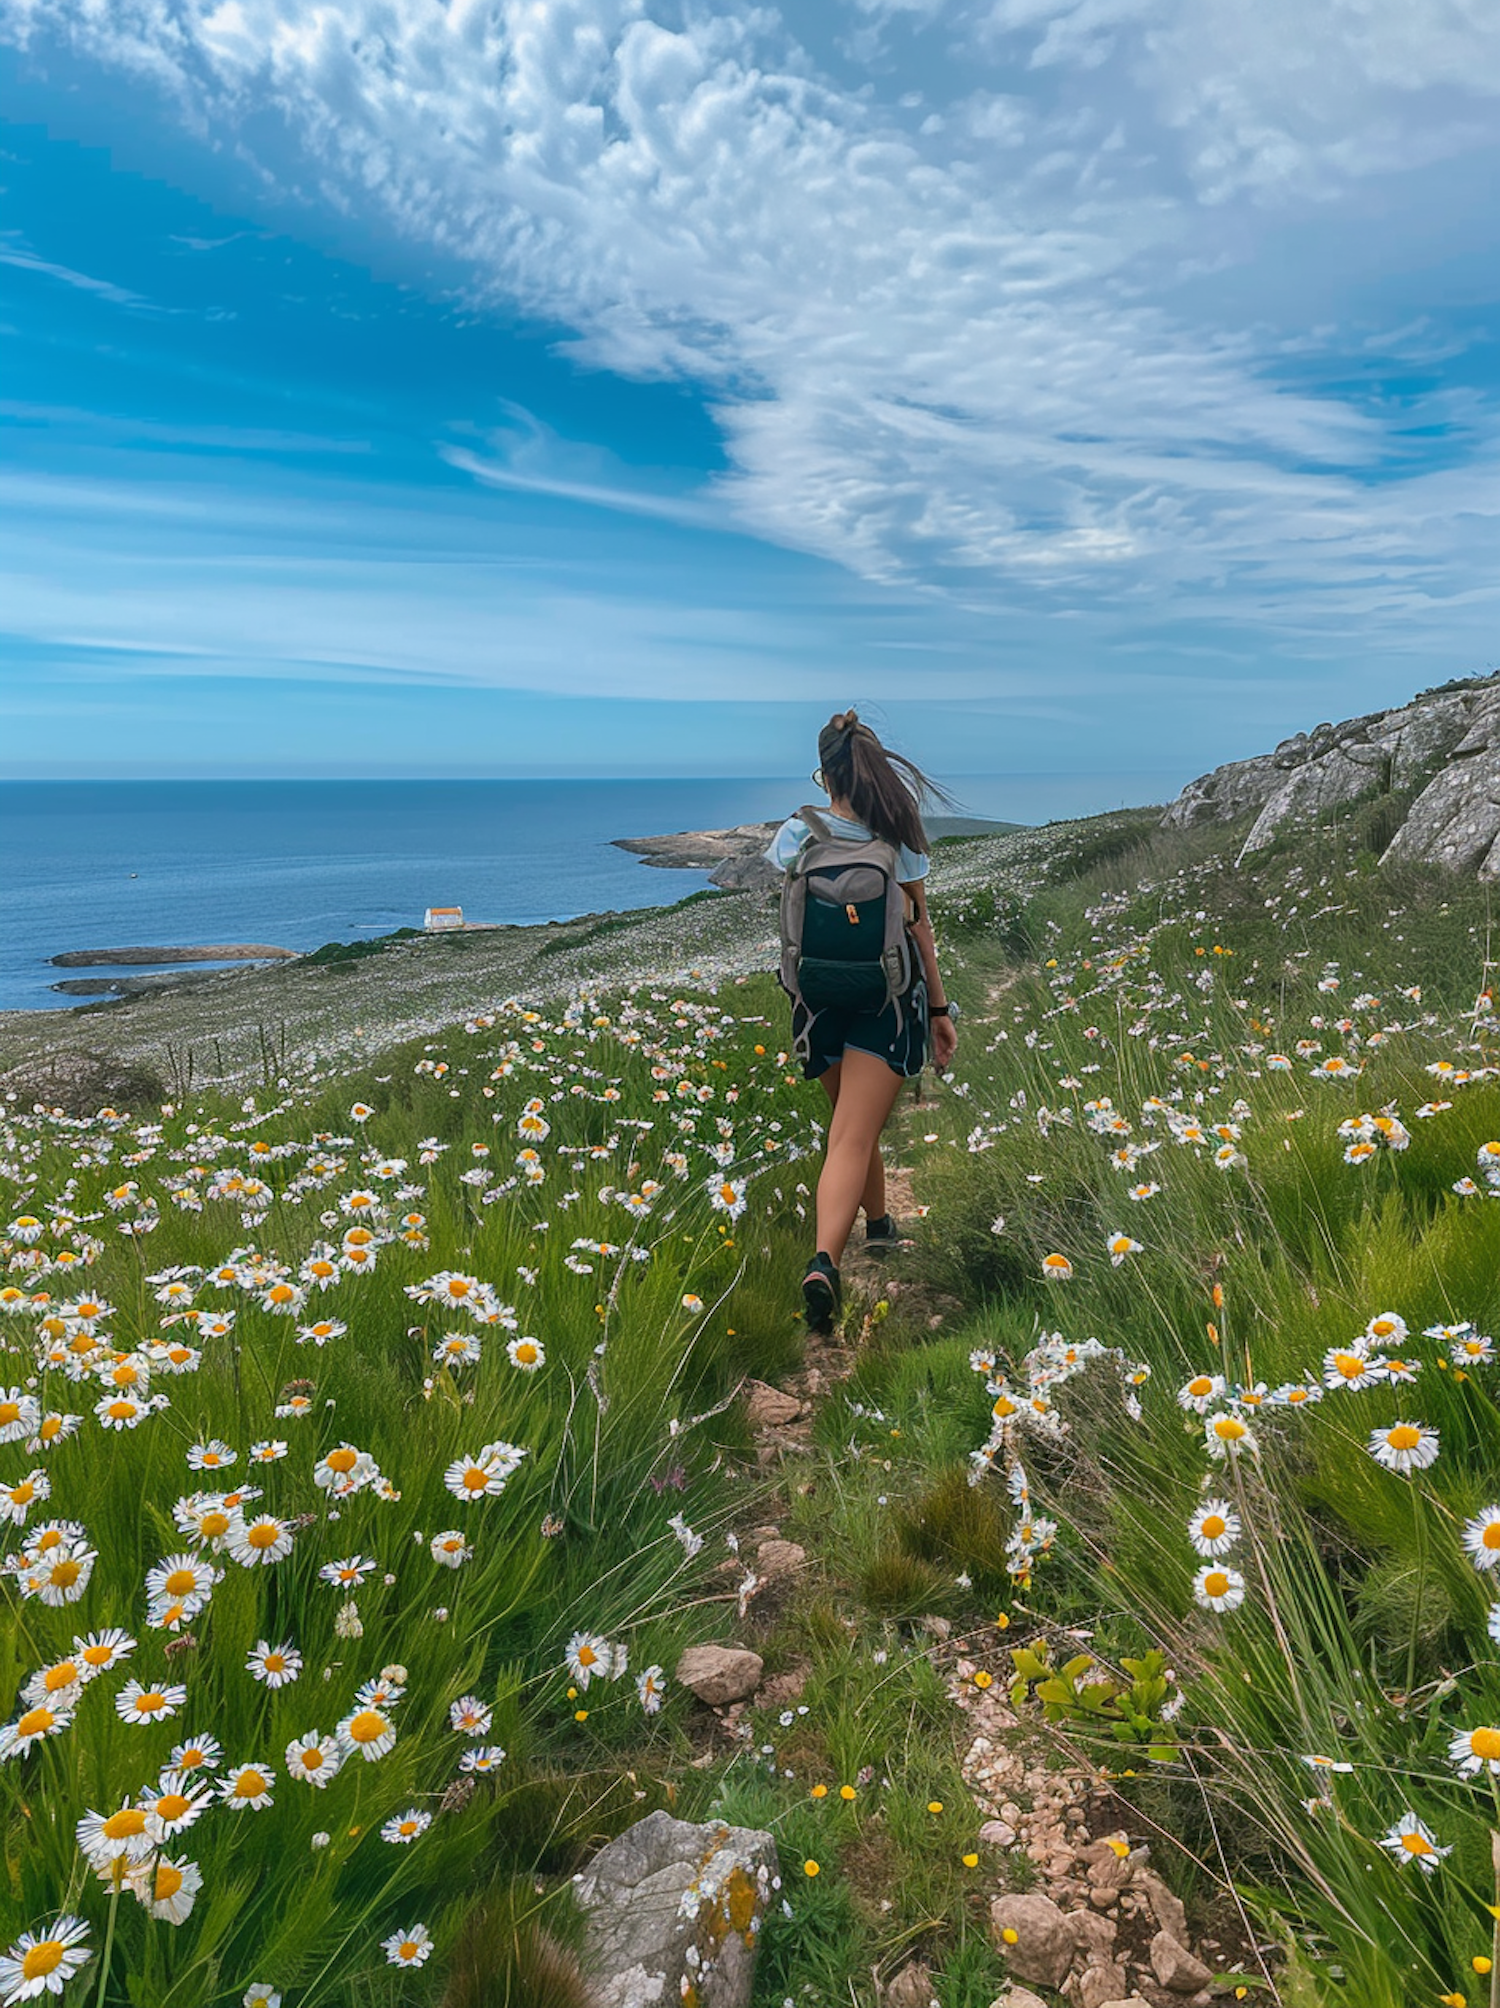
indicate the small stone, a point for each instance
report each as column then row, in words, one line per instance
column 1165, row 1907
column 1175, row 1967
column 779, row 1558
column 1098, row 1984
column 911, row 1987
column 1104, row 1899
column 720, row 1673
column 1043, row 1947
column 998, row 1833
column 770, row 1407
column 1018, row 1997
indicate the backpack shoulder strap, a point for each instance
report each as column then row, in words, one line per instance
column 814, row 821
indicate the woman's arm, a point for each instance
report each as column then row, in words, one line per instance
column 944, row 1031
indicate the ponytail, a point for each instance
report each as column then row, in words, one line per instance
column 884, row 789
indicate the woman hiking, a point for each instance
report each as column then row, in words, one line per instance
column 860, row 965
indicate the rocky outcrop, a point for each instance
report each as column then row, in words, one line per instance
column 1437, row 757
column 672, row 1913
column 719, row 1674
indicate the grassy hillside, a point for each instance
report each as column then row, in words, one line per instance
column 1211, row 1176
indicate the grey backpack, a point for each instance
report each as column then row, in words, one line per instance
column 844, row 943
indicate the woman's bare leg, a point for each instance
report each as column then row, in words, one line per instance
column 862, row 1099
column 872, row 1198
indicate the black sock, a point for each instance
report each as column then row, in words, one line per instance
column 881, row 1225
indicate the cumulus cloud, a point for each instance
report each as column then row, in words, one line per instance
column 946, row 332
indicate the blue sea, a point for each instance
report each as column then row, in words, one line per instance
column 109, row 864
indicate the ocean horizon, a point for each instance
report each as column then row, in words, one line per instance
column 92, row 865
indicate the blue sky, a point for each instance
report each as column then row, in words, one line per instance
column 590, row 386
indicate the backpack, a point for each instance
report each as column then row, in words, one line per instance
column 843, row 924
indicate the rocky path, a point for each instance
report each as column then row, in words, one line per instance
column 1081, row 1907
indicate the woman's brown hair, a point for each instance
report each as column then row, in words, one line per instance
column 884, row 789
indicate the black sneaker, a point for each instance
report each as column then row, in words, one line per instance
column 882, row 1233
column 821, row 1294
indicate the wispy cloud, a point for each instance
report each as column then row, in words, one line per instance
column 977, row 339
column 14, row 253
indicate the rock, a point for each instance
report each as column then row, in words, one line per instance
column 1175, row 1967
column 749, row 873
column 998, row 1834
column 1042, row 1946
column 778, row 1558
column 1166, row 1908
column 669, row 1905
column 1126, row 2001
column 1018, row 1997
column 720, row 1673
column 1098, row 1984
column 769, row 1407
column 911, row 1988
column 1229, row 792
column 1445, row 744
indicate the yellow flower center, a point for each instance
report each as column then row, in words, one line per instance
column 262, row 1535
column 214, row 1525
column 66, row 1574
column 1404, row 1436
column 274, row 1662
column 1416, row 1844
column 475, row 1479
column 37, row 1961
column 1228, row 1429
column 172, row 1805
column 1213, row 1526
column 367, row 1727
column 311, row 1760
column 168, row 1881
column 1201, row 1386
column 249, row 1784
column 1215, row 1583
column 121, row 1411
column 181, row 1582
column 1485, row 1743
column 35, row 1722
column 149, row 1704
column 124, row 1825
column 98, row 1655
column 342, row 1460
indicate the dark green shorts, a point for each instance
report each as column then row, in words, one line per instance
column 897, row 1037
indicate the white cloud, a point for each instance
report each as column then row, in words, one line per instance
column 939, row 336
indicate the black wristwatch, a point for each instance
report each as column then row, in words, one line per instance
column 943, row 1011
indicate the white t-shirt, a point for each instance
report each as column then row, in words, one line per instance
column 789, row 839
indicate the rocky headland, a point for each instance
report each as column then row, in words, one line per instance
column 1432, row 767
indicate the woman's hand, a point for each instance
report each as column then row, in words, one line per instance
column 944, row 1043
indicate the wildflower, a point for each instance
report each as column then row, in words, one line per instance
column 1218, row 1589
column 34, row 1725
column 1386, row 1328
column 43, row 1964
column 213, row 1456
column 368, row 1731
column 247, row 1787
column 135, row 1703
column 1318, row 1763
column 1404, row 1447
column 274, row 1665
column 450, row 1548
column 412, row 1947
column 727, row 1196
column 1214, row 1528
column 649, row 1686
column 1227, row 1436
column 179, row 1800
column 167, row 1888
column 1200, row 1393
column 484, row 1758
column 485, row 1475
column 470, row 1716
column 119, row 1838
column 1481, row 1538
column 314, row 1758
column 1411, row 1840
column 1475, row 1750
column 527, row 1354
column 348, row 1573
column 588, row 1655
column 183, row 1577
column 405, row 1827
column 258, row 1541
column 1118, row 1246
column 1057, row 1268
column 62, row 1575
column 259, row 1995
column 1351, row 1368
